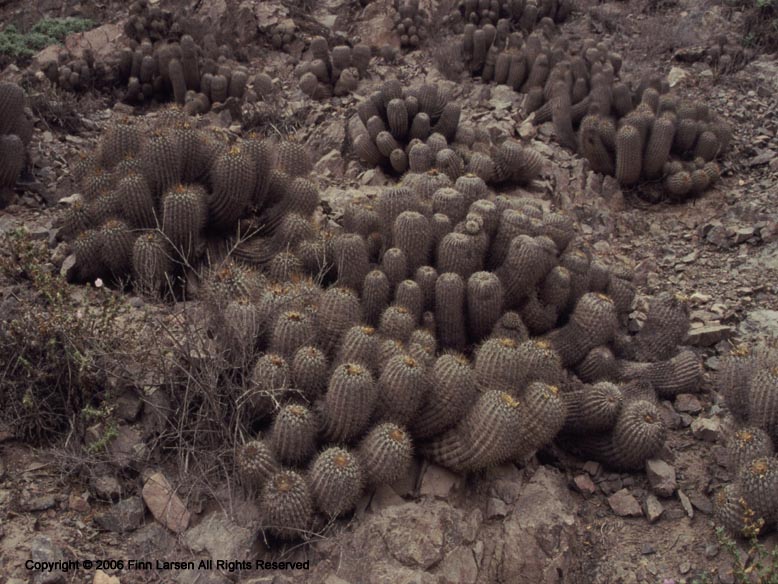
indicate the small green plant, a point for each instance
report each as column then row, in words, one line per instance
column 48, row 31
column 760, row 564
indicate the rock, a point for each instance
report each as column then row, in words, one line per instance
column 37, row 232
column 78, row 503
column 647, row 549
column 707, row 336
column 38, row 503
column 384, row 496
column 377, row 27
column 707, row 429
column 610, row 485
column 718, row 236
column 128, row 447
column 103, row 578
column 129, row 405
column 105, row 487
column 624, row 504
column 542, row 526
column 471, row 525
column 743, row 234
column 414, row 534
column 100, row 41
column 333, row 579
column 762, row 158
column 503, row 97
column 686, row 504
column 220, row 537
column 164, row 504
column 675, row 76
column 123, row 517
column 67, row 270
column 459, row 567
column 496, row 509
column 584, row 484
column 331, row 164
column 507, row 490
column 761, row 322
column 438, row 482
column 701, row 503
column 43, row 550
column 593, row 468
column 653, row 508
column 661, row 476
column 687, row 403
column 527, row 130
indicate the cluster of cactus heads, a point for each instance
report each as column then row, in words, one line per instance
column 162, row 64
column 282, row 35
column 149, row 21
column 78, row 74
column 15, row 134
column 725, row 55
column 748, row 379
column 508, row 15
column 179, row 71
column 660, row 138
column 410, row 23
column 158, row 202
column 635, row 132
column 418, row 132
column 335, row 72
column 394, row 119
column 638, row 132
column 467, row 327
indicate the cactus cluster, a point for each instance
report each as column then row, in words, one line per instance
column 468, row 327
column 336, row 72
column 159, row 202
column 77, row 74
column 418, row 132
column 507, row 15
column 725, row 55
column 633, row 131
column 150, row 21
column 160, row 63
column 660, row 138
column 180, row 71
column 410, row 23
column 15, row 134
column 282, row 34
column 748, row 379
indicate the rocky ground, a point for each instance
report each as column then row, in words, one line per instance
column 555, row 520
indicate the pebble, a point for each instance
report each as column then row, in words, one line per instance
column 653, row 509
column 687, row 403
column 496, row 509
column 709, row 335
column 624, row 504
column 686, row 504
column 661, row 476
column 706, row 429
column 584, row 484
